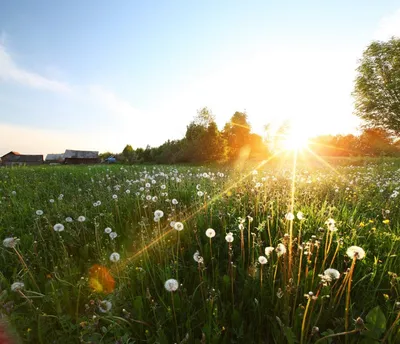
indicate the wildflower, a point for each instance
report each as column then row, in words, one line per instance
column 148, row 198
column 81, row 218
column 113, row 235
column 210, row 233
column 107, row 230
column 332, row 274
column 197, row 258
column 200, row 193
column 178, row 226
column 158, row 213
column 280, row 249
column 105, row 306
column 386, row 221
column 16, row 286
column 289, row 216
column 300, row 215
column 10, row 242
column 69, row 219
column 171, row 285
column 229, row 237
column 355, row 251
column 269, row 250
column 39, row 212
column 114, row 257
column 172, row 224
column 114, row 196
column 331, row 223
column 58, row 227
column 262, row 260
column 174, row 201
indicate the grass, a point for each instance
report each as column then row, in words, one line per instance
column 224, row 296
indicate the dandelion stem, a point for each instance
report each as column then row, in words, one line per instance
column 337, row 334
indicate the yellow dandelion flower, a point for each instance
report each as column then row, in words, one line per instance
column 386, row 221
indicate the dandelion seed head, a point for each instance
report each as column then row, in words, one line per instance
column 115, row 257
column 58, row 227
column 355, row 251
column 171, row 285
column 210, row 233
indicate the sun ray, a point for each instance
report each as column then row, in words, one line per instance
column 191, row 215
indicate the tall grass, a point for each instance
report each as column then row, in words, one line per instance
column 74, row 293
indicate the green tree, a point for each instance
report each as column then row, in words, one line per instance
column 237, row 134
column 128, row 154
column 377, row 85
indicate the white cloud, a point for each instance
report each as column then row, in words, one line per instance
column 388, row 26
column 10, row 71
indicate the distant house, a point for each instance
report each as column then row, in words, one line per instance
column 15, row 158
column 81, row 157
column 55, row 158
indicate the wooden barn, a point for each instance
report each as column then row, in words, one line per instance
column 54, row 158
column 81, row 157
column 15, row 158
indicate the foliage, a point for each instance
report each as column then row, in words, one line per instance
column 377, row 86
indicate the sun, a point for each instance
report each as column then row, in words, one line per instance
column 295, row 140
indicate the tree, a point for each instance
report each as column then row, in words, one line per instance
column 377, row 86
column 237, row 134
column 128, row 154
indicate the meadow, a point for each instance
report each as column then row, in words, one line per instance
column 188, row 254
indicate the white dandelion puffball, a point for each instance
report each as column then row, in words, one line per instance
column 69, row 219
column 105, row 306
column 210, row 233
column 10, row 242
column 172, row 224
column 269, row 250
column 289, row 216
column 229, row 237
column 113, row 235
column 280, row 250
column 300, row 215
column 81, row 218
column 262, row 260
column 174, row 201
column 171, row 285
column 332, row 274
column 51, row 200
column 355, row 251
column 114, row 196
column 114, row 257
column 58, row 227
column 178, row 226
column 159, row 213
column 16, row 286
column 198, row 258
column 107, row 230
column 148, row 198
column 39, row 212
column 200, row 193
column 156, row 219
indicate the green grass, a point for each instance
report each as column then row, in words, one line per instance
column 229, row 297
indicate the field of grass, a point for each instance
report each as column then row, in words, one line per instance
column 111, row 254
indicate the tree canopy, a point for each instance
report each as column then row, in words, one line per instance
column 377, row 86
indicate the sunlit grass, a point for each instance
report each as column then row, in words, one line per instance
column 291, row 228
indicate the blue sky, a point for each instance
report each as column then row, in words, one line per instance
column 101, row 74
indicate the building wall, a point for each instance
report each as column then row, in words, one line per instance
column 77, row 161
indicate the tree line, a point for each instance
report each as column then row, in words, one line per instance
column 203, row 143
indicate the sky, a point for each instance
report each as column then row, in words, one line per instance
column 100, row 74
